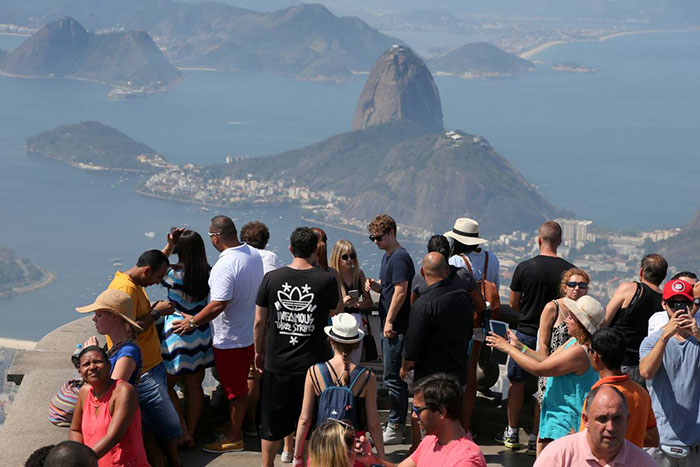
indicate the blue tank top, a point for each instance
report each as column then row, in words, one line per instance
column 562, row 402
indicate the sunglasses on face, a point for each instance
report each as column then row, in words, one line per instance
column 418, row 409
column 347, row 256
column 679, row 304
column 581, row 285
column 376, row 238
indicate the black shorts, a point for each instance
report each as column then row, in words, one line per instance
column 280, row 404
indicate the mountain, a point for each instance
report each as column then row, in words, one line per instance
column 399, row 86
column 95, row 146
column 683, row 250
column 306, row 41
column 64, row 48
column 480, row 59
column 424, row 179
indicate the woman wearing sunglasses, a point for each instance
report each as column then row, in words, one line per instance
column 332, row 445
column 352, row 290
column 569, row 372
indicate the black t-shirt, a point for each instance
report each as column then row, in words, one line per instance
column 298, row 301
column 438, row 334
column 396, row 268
column 538, row 280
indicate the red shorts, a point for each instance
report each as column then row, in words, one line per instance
column 232, row 366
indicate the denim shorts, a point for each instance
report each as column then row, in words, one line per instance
column 157, row 411
column 515, row 373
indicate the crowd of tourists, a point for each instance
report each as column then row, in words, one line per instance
column 618, row 385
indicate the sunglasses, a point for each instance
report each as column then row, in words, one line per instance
column 679, row 304
column 211, row 234
column 376, row 238
column 347, row 256
column 418, row 410
column 581, row 285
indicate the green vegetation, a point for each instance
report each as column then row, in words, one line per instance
column 16, row 272
column 480, row 59
column 93, row 144
column 65, row 49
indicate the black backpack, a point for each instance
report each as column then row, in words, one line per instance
column 337, row 401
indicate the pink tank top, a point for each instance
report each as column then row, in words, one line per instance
column 96, row 419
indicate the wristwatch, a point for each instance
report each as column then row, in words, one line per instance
column 155, row 314
column 696, row 301
column 191, row 323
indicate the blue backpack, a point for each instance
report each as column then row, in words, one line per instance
column 336, row 401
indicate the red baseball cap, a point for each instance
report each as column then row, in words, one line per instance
column 678, row 288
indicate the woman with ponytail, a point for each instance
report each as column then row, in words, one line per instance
column 344, row 335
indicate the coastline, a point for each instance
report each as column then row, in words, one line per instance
column 49, row 277
column 542, row 47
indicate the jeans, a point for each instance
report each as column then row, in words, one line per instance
column 392, row 350
column 157, row 411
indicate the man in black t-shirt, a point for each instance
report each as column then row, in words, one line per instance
column 535, row 282
column 393, row 286
column 293, row 306
column 437, row 340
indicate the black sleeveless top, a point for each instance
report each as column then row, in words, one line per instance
column 633, row 320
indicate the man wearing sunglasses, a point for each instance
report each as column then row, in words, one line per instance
column 631, row 306
column 670, row 359
column 395, row 276
column 437, row 403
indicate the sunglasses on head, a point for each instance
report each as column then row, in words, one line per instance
column 581, row 285
column 376, row 238
column 347, row 256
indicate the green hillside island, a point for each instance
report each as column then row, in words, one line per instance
column 95, row 146
column 19, row 275
column 305, row 41
column 423, row 179
column 128, row 61
column 479, row 60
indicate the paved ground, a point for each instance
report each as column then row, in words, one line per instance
column 496, row 455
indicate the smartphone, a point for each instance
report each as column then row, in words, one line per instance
column 354, row 294
column 500, row 328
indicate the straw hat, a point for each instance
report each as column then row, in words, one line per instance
column 344, row 329
column 588, row 311
column 466, row 231
column 114, row 301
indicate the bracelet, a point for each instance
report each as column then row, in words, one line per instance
column 191, row 323
column 524, row 349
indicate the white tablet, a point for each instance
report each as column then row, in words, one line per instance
column 499, row 327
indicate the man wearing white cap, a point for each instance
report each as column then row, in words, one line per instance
column 670, row 361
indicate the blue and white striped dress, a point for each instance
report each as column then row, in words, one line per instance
column 192, row 351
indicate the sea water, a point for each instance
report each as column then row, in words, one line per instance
column 616, row 146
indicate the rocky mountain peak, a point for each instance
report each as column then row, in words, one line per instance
column 399, row 87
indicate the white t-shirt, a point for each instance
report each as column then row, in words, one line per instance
column 477, row 261
column 235, row 278
column 270, row 260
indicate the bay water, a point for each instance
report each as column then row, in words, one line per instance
column 617, row 146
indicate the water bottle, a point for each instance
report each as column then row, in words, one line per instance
column 74, row 357
column 485, row 318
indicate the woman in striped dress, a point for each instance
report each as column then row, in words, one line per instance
column 186, row 356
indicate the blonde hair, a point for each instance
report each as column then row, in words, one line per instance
column 330, row 445
column 340, row 248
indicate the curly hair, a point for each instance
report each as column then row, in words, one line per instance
column 382, row 223
column 255, row 234
column 567, row 275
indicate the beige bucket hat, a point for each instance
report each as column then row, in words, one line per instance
column 589, row 312
column 113, row 301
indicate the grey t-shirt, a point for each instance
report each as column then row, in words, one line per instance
column 675, row 390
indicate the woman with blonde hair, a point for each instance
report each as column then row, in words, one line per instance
column 332, row 445
column 352, row 291
column 340, row 371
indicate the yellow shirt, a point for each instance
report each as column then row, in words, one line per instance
column 147, row 340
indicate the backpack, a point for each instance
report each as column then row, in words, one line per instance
column 488, row 289
column 337, row 401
